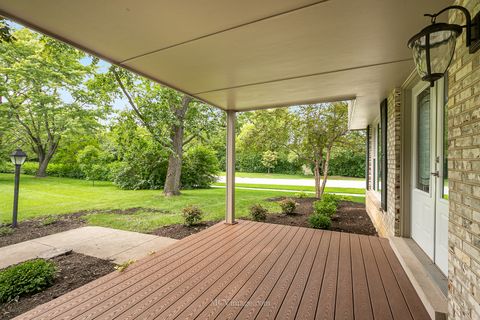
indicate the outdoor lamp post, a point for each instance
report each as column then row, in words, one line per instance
column 18, row 157
column 434, row 46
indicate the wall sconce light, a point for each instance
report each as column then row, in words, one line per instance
column 434, row 46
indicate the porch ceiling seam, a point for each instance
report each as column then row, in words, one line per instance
column 224, row 30
column 305, row 76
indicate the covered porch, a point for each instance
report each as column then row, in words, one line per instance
column 252, row 270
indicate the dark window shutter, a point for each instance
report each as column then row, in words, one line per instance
column 367, row 160
column 384, row 124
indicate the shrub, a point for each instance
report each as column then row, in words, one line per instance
column 5, row 231
column 200, row 167
column 25, row 278
column 258, row 212
column 332, row 198
column 319, row 221
column 324, row 208
column 30, row 168
column 288, row 206
column 192, row 215
column 6, row 167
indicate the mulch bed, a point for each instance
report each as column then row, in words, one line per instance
column 36, row 228
column 350, row 217
column 180, row 231
column 73, row 270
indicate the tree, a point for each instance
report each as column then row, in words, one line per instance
column 317, row 129
column 173, row 119
column 5, row 31
column 269, row 159
column 307, row 133
column 46, row 92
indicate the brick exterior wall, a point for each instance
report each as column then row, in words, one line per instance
column 464, row 176
column 387, row 223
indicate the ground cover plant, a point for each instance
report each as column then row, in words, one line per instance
column 25, row 278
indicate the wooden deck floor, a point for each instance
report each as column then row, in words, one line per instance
column 251, row 271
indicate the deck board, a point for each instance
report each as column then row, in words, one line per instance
column 251, row 270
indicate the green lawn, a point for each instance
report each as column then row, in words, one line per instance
column 295, row 188
column 285, row 176
column 53, row 196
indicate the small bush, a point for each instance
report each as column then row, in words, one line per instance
column 30, row 168
column 258, row 213
column 25, row 278
column 319, row 221
column 333, row 198
column 324, row 208
column 5, row 231
column 288, row 206
column 192, row 215
column 6, row 167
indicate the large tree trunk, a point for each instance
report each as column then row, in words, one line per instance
column 174, row 170
column 44, row 158
column 325, row 172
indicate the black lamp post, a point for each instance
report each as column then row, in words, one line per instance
column 18, row 157
column 434, row 46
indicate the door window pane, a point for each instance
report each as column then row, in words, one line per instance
column 445, row 141
column 423, row 141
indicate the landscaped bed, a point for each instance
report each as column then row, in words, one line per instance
column 350, row 216
column 72, row 271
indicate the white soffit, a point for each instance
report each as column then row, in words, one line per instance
column 249, row 54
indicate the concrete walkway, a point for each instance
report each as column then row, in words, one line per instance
column 294, row 191
column 104, row 243
column 298, row 182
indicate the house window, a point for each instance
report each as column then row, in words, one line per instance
column 379, row 157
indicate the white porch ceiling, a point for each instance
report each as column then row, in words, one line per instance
column 249, row 54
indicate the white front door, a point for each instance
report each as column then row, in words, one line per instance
column 429, row 199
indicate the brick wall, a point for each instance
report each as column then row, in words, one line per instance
column 464, row 176
column 387, row 223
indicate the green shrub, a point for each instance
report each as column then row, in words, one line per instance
column 192, row 215
column 324, row 208
column 30, row 168
column 319, row 221
column 5, row 231
column 25, row 278
column 333, row 198
column 288, row 206
column 258, row 213
column 200, row 167
column 6, row 167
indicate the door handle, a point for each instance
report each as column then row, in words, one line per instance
column 435, row 174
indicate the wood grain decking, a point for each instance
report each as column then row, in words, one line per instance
column 251, row 271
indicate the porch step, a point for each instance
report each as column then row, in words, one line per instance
column 428, row 281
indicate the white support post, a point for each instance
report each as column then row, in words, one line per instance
column 230, row 214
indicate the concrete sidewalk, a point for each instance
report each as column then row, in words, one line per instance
column 360, row 184
column 104, row 243
column 293, row 191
